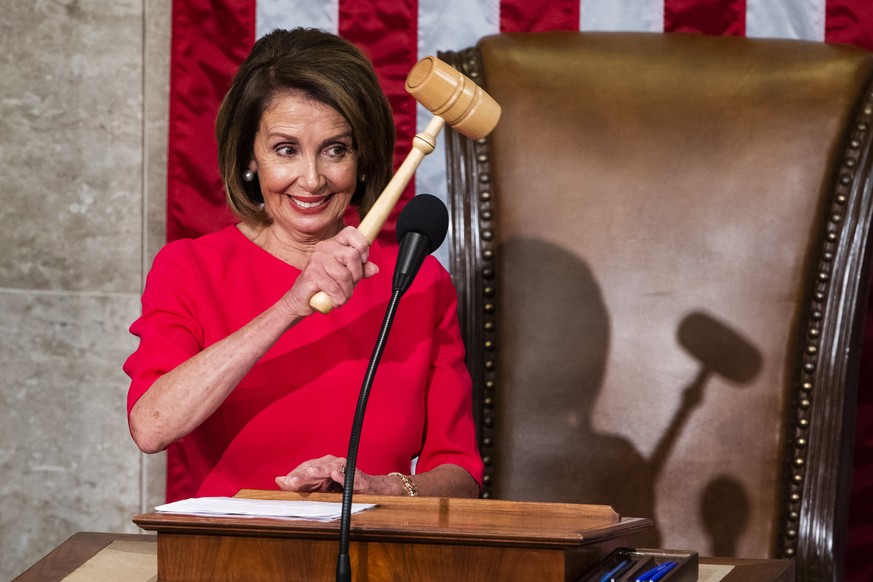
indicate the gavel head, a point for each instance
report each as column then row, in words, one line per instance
column 447, row 92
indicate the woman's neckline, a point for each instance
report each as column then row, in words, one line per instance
column 243, row 230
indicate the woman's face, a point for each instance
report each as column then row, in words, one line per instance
column 306, row 166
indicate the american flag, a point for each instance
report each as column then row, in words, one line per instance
column 211, row 38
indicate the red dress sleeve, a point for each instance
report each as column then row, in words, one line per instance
column 450, row 433
column 168, row 329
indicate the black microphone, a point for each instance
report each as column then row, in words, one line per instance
column 421, row 229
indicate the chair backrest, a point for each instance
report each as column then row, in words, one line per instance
column 661, row 257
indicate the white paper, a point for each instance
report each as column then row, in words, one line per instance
column 241, row 507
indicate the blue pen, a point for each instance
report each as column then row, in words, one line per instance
column 660, row 571
column 666, row 568
column 612, row 573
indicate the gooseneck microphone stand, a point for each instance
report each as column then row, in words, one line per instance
column 343, row 563
column 421, row 228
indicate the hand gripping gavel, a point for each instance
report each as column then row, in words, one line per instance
column 454, row 99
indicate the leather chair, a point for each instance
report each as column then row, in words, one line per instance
column 661, row 254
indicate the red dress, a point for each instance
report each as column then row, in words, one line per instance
column 297, row 403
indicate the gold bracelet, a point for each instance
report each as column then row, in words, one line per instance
column 410, row 487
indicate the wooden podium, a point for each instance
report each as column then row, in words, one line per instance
column 404, row 538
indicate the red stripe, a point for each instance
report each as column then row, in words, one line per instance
column 716, row 17
column 850, row 22
column 388, row 33
column 209, row 41
column 532, row 16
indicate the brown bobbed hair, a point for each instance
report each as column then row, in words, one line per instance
column 326, row 68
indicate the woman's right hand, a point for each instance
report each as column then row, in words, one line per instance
column 335, row 266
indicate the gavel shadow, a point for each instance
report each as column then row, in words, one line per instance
column 548, row 447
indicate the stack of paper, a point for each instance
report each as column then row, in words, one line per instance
column 241, row 507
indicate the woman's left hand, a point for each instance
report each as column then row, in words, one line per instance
column 327, row 474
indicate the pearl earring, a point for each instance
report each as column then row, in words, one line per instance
column 248, row 176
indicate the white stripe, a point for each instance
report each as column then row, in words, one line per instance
column 448, row 25
column 798, row 19
column 272, row 14
column 455, row 24
column 630, row 15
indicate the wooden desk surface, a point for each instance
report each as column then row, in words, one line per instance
column 81, row 547
column 424, row 519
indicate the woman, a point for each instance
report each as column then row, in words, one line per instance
column 234, row 374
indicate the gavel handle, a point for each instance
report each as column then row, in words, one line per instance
column 422, row 144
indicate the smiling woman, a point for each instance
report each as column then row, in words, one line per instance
column 232, row 375
column 331, row 72
column 306, row 164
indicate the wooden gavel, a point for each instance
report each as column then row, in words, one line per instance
column 454, row 99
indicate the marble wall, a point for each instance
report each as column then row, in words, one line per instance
column 83, row 87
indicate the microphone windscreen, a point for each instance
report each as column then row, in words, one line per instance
column 425, row 214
